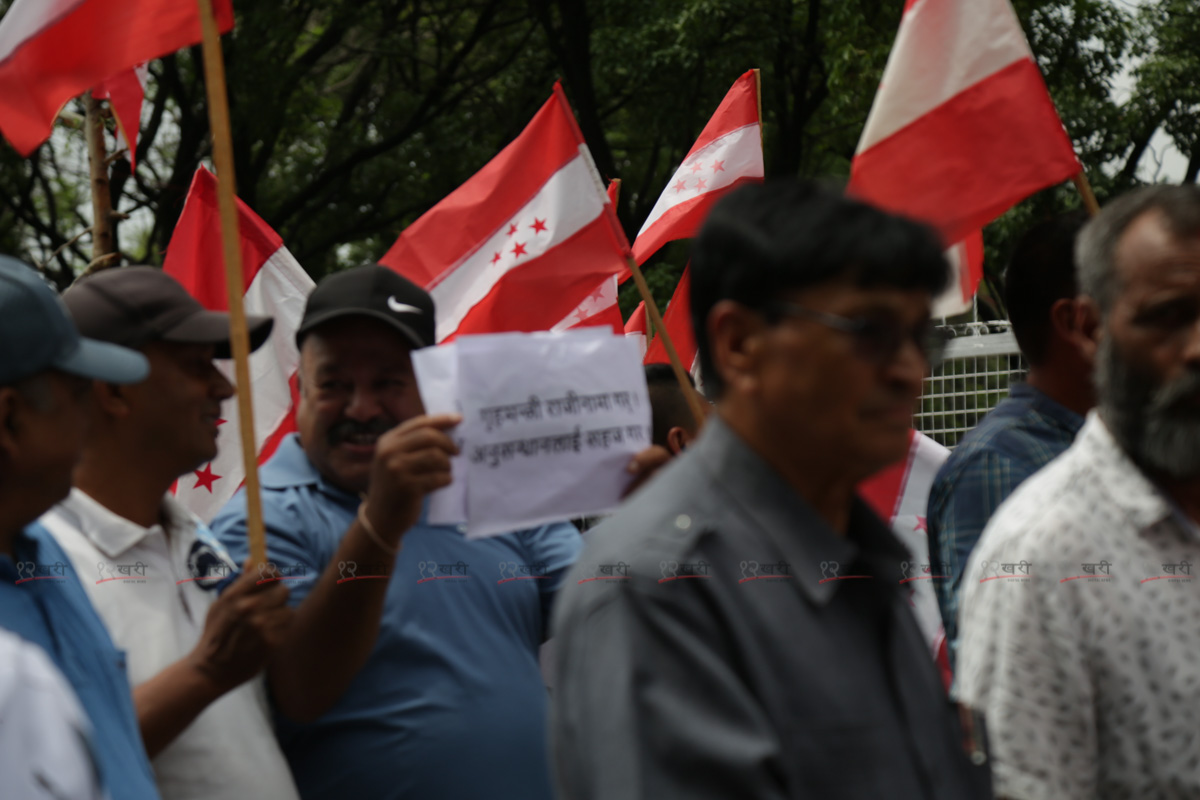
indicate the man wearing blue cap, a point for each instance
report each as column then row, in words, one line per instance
column 45, row 374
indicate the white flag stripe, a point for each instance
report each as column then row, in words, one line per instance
column 279, row 290
column 925, row 460
column 565, row 204
column 27, row 18
column 943, row 48
column 951, row 302
column 740, row 155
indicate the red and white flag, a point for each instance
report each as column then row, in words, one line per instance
column 53, row 50
column 899, row 494
column 728, row 152
column 966, row 262
column 677, row 319
column 600, row 307
column 125, row 92
column 636, row 325
column 276, row 286
column 524, row 241
column 963, row 127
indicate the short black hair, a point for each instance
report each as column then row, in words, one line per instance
column 668, row 406
column 767, row 238
column 1041, row 272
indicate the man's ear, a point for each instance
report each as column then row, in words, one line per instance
column 1086, row 330
column 678, row 439
column 735, row 341
column 112, row 400
column 11, row 408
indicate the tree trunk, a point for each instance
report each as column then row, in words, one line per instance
column 104, row 249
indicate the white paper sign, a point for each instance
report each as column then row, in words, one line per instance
column 550, row 423
column 436, row 370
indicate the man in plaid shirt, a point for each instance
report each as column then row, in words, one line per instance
column 1037, row 421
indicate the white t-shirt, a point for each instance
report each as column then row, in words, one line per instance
column 1080, row 640
column 44, row 752
column 153, row 593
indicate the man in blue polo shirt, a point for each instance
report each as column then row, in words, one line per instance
column 411, row 670
column 46, row 370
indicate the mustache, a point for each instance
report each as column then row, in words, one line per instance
column 342, row 430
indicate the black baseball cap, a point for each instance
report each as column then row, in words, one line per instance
column 37, row 334
column 376, row 292
column 133, row 306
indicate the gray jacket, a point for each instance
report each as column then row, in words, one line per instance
column 718, row 640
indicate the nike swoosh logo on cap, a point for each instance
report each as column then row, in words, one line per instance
column 401, row 308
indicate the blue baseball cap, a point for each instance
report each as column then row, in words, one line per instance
column 36, row 334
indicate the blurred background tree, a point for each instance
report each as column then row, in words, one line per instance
column 351, row 117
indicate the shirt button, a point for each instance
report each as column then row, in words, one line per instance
column 683, row 522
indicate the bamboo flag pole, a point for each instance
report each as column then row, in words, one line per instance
column 239, row 338
column 1085, row 191
column 680, row 373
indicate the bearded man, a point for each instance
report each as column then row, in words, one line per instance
column 1078, row 634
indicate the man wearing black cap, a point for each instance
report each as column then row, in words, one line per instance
column 45, row 369
column 153, row 568
column 413, row 672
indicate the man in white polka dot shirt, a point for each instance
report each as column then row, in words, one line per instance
column 1081, row 617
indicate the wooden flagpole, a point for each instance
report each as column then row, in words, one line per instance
column 239, row 337
column 680, row 373
column 1085, row 191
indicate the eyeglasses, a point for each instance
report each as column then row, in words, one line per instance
column 876, row 340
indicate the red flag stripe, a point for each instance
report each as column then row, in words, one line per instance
column 738, row 109
column 53, row 50
column 969, row 171
column 195, row 255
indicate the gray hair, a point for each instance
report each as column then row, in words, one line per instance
column 1095, row 250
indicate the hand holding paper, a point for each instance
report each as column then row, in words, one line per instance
column 411, row 460
column 551, row 425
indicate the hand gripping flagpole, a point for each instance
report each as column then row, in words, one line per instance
column 239, row 337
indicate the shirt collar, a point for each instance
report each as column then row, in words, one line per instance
column 1041, row 402
column 1120, row 479
column 111, row 533
column 817, row 555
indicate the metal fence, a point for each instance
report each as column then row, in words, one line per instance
column 982, row 359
